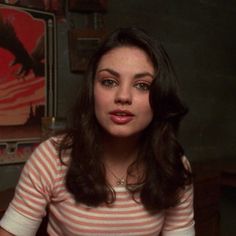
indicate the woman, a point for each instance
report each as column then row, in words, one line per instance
column 120, row 170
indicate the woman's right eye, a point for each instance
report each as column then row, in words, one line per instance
column 109, row 83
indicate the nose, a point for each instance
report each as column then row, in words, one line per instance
column 123, row 95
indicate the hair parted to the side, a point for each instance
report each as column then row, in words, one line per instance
column 160, row 153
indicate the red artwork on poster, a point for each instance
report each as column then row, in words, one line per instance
column 55, row 6
column 24, row 74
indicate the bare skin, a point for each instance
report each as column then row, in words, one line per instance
column 3, row 232
column 121, row 91
column 118, row 155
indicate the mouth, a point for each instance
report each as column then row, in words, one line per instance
column 121, row 113
column 121, row 116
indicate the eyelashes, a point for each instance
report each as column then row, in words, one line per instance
column 140, row 85
column 109, row 83
column 143, row 86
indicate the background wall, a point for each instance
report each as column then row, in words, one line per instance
column 200, row 37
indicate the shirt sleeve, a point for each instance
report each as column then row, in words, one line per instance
column 19, row 225
column 33, row 191
column 179, row 220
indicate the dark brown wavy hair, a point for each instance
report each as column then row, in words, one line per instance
column 160, row 153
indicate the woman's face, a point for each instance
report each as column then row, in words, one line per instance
column 121, row 91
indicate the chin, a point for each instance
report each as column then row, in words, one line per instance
column 123, row 134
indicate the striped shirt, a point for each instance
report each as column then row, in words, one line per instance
column 42, row 186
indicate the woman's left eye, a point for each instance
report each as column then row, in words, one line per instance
column 143, row 86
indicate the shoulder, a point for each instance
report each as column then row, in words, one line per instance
column 46, row 155
column 46, row 150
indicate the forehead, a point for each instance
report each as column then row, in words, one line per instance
column 126, row 56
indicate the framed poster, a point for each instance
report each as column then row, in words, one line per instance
column 55, row 6
column 82, row 44
column 87, row 5
column 27, row 73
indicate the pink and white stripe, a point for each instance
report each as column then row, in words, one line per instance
column 42, row 184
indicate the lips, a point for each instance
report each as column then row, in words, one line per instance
column 121, row 116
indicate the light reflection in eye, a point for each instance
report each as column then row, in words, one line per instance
column 109, row 83
column 143, row 86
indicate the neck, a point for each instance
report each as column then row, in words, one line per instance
column 118, row 155
column 120, row 150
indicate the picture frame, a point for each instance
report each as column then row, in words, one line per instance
column 39, row 5
column 55, row 6
column 28, row 74
column 82, row 44
column 87, row 5
column 16, row 152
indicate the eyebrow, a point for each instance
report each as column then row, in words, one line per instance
column 110, row 71
column 137, row 76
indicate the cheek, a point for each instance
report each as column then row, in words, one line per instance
column 148, row 116
column 97, row 97
column 100, row 103
column 147, row 110
column 144, row 104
